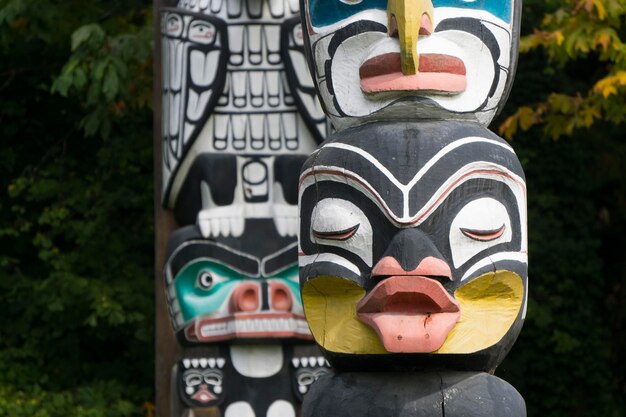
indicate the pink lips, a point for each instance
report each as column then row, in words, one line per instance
column 436, row 73
column 411, row 314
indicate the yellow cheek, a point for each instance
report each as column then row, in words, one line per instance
column 330, row 308
column 489, row 306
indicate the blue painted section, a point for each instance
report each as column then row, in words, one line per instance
column 498, row 8
column 327, row 12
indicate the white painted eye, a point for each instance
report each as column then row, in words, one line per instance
column 202, row 32
column 479, row 225
column 193, row 379
column 173, row 24
column 340, row 223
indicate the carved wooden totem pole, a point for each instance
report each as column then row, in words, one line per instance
column 240, row 116
column 413, row 241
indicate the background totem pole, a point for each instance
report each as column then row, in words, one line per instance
column 239, row 117
column 413, row 241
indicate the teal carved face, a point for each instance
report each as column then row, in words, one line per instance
column 211, row 302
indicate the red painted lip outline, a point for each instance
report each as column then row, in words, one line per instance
column 436, row 73
column 410, row 314
column 268, row 326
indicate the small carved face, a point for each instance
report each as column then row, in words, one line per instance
column 201, row 381
column 411, row 59
column 413, row 240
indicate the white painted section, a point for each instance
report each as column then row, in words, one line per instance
column 281, row 408
column 257, row 361
column 239, row 409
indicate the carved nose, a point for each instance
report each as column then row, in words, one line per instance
column 412, row 252
column 428, row 267
column 280, row 297
column 245, row 298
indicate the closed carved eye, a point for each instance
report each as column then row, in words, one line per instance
column 479, row 225
column 340, row 223
column 483, row 235
column 337, row 235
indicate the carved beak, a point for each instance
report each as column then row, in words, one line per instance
column 407, row 20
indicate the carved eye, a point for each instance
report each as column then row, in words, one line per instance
column 483, row 235
column 341, row 223
column 213, row 379
column 351, row 2
column 173, row 25
column 193, row 379
column 205, row 280
column 202, row 32
column 479, row 225
column 337, row 235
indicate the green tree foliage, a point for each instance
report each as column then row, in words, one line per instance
column 76, row 275
column 569, row 357
column 578, row 33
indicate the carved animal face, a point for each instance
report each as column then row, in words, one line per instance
column 412, row 59
column 413, row 241
column 219, row 291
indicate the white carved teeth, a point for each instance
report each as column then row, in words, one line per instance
column 286, row 219
column 220, row 362
column 194, row 362
column 186, row 363
column 225, row 221
column 254, row 325
column 310, row 361
column 212, row 362
column 203, row 362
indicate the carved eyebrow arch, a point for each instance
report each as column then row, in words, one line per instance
column 344, row 234
column 483, row 235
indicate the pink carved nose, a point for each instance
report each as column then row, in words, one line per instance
column 280, row 297
column 245, row 298
column 429, row 266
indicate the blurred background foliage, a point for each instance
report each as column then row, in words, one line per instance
column 76, row 235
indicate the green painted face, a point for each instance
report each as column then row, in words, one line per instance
column 212, row 295
column 204, row 287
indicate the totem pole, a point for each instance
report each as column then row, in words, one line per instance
column 413, row 240
column 239, row 117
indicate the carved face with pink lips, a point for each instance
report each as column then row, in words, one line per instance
column 413, row 246
column 408, row 59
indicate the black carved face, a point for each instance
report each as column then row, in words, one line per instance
column 201, row 381
column 415, row 235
